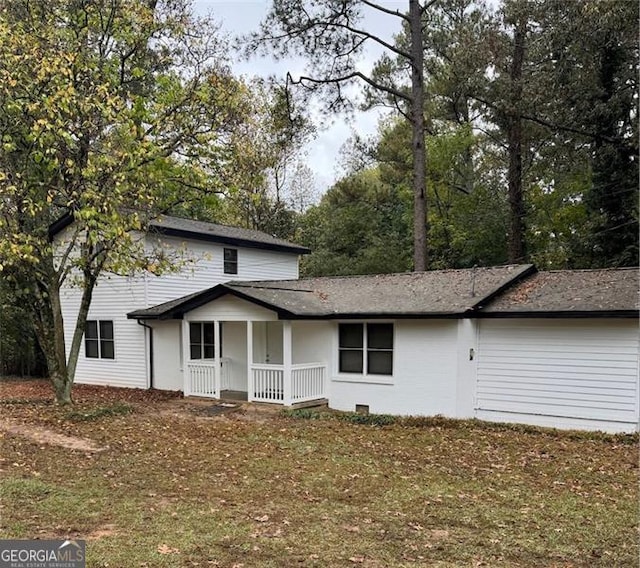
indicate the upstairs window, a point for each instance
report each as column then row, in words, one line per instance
column 230, row 261
column 375, row 340
column 201, row 341
column 98, row 339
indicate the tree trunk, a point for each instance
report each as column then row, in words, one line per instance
column 81, row 324
column 420, row 260
column 49, row 326
column 517, row 249
column 56, row 344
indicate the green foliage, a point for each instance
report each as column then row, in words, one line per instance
column 117, row 409
column 576, row 107
column 361, row 226
column 19, row 351
column 350, row 417
column 368, row 419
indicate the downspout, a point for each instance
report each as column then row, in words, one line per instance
column 140, row 322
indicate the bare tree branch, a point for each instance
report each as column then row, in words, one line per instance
column 396, row 13
column 546, row 123
column 353, row 75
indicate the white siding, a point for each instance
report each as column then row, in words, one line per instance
column 312, row 342
column 560, row 373
column 230, row 308
column 202, row 267
column 112, row 299
column 424, row 376
column 115, row 296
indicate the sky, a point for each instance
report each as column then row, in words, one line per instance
column 243, row 16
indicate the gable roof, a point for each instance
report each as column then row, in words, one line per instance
column 205, row 231
column 431, row 294
column 571, row 293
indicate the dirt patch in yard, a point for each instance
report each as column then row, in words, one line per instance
column 41, row 435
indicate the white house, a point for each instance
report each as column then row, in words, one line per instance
column 121, row 352
column 504, row 343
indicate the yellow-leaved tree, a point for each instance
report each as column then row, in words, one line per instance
column 110, row 112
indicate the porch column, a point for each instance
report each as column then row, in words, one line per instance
column 216, row 359
column 186, row 375
column 286, row 362
column 250, row 389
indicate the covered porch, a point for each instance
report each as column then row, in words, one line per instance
column 256, row 360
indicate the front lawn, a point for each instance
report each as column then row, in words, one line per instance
column 176, row 488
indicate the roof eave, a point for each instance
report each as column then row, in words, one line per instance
column 378, row 316
column 206, row 296
column 195, row 235
column 556, row 314
column 60, row 225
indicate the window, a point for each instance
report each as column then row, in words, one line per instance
column 98, row 340
column 230, row 261
column 351, row 347
column 379, row 348
column 201, row 341
column 374, row 339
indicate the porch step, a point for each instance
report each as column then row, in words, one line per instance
column 319, row 402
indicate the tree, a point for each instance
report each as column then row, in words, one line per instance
column 329, row 34
column 361, row 226
column 592, row 72
column 111, row 113
column 270, row 174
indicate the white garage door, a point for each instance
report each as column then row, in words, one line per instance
column 562, row 373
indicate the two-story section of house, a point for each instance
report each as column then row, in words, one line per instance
column 123, row 352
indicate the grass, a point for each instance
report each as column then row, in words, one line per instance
column 176, row 489
column 117, row 409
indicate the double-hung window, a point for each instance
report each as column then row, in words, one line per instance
column 201, row 340
column 230, row 261
column 98, row 339
column 366, row 349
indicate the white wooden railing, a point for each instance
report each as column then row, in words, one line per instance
column 268, row 383
column 201, row 378
column 307, row 382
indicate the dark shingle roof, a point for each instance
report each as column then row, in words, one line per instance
column 225, row 234
column 205, row 231
column 574, row 292
column 436, row 293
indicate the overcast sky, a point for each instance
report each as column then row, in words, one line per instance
column 243, row 16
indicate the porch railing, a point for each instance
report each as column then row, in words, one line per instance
column 268, row 383
column 201, row 378
column 307, row 382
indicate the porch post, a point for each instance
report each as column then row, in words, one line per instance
column 250, row 389
column 216, row 359
column 286, row 362
column 186, row 375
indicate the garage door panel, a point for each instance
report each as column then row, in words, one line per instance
column 585, row 369
column 546, row 383
column 558, row 410
column 583, row 375
column 537, row 396
column 564, row 363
